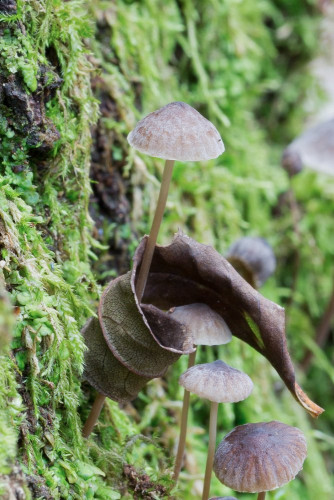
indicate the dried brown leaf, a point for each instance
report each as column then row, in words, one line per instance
column 187, row 272
column 145, row 340
column 103, row 371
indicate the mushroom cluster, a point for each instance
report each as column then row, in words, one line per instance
column 145, row 339
column 206, row 328
column 122, row 347
column 254, row 259
column 183, row 295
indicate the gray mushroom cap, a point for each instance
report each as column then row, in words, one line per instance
column 313, row 149
column 204, row 325
column 177, row 132
column 254, row 255
column 217, row 382
column 260, row 457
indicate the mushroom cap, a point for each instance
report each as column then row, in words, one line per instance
column 204, row 325
column 217, row 382
column 260, row 457
column 177, row 132
column 313, row 149
column 252, row 256
column 291, row 162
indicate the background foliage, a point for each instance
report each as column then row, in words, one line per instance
column 242, row 64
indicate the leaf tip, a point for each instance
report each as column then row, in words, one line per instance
column 313, row 409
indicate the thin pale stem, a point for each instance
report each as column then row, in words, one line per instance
column 184, row 422
column 152, row 239
column 211, row 449
column 261, row 496
column 183, row 433
column 191, row 359
column 94, row 415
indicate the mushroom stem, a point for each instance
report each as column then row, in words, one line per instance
column 183, row 433
column 183, row 427
column 152, row 239
column 94, row 415
column 211, row 449
column 191, row 358
column 261, row 496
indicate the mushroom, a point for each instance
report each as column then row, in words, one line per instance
column 256, row 458
column 219, row 383
column 253, row 258
column 204, row 325
column 313, row 149
column 206, row 328
column 175, row 132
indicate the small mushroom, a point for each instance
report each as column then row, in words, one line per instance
column 256, row 458
column 253, row 258
column 313, row 149
column 204, row 325
column 175, row 132
column 219, row 383
column 206, row 328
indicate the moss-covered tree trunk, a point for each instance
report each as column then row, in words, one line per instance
column 47, row 110
column 50, row 139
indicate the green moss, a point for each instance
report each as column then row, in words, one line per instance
column 47, row 239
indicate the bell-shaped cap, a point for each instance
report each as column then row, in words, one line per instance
column 204, row 325
column 217, row 382
column 253, row 258
column 177, row 132
column 313, row 149
column 260, row 457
